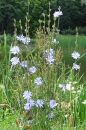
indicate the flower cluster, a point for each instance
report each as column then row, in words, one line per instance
column 48, row 54
column 27, row 95
column 75, row 66
column 75, row 55
column 23, row 39
column 14, row 50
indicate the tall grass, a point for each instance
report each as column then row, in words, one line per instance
column 68, row 41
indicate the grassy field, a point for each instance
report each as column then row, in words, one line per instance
column 68, row 41
column 48, row 96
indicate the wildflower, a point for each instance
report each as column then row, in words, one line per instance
column 39, row 103
column 54, row 40
column 14, row 50
column 66, row 86
column 30, row 103
column 14, row 60
column 75, row 55
column 50, row 59
column 23, row 39
column 52, row 103
column 69, row 87
column 58, row 30
column 32, row 69
column 49, row 51
column 61, row 86
column 27, row 95
column 84, row 102
column 75, row 66
column 26, row 40
column 50, row 115
column 20, row 38
column 43, row 14
column 38, row 81
column 23, row 64
column 29, row 121
column 57, row 14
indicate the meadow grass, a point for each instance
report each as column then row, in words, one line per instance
column 68, row 41
column 70, row 113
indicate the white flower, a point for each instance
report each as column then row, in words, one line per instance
column 27, row 95
column 52, row 103
column 69, row 87
column 50, row 59
column 23, row 64
column 66, row 86
column 14, row 60
column 54, row 40
column 75, row 55
column 32, row 69
column 30, row 103
column 84, row 102
column 75, row 66
column 38, row 81
column 39, row 103
column 15, row 50
column 57, row 14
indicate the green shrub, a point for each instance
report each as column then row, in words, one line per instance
column 68, row 31
column 82, row 30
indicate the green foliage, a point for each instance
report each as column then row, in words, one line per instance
column 74, row 14
column 82, row 30
column 9, row 39
column 9, row 10
column 69, row 31
column 36, row 9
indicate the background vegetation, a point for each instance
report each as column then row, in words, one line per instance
column 74, row 14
